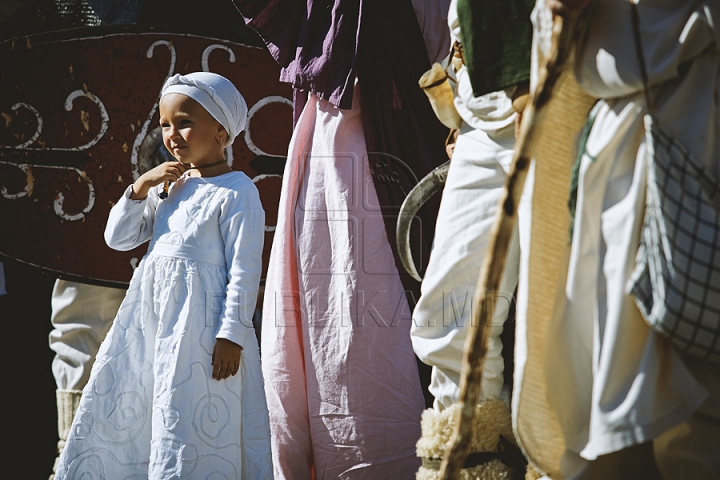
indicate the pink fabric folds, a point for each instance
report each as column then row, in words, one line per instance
column 340, row 374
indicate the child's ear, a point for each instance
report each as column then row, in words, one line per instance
column 221, row 135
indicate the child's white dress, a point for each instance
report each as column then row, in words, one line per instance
column 151, row 408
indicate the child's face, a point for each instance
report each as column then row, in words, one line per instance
column 189, row 132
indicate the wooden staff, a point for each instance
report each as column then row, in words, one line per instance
column 493, row 266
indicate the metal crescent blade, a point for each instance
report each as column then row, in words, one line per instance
column 420, row 193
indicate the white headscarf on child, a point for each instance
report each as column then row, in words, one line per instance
column 216, row 94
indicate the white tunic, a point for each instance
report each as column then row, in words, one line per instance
column 151, row 408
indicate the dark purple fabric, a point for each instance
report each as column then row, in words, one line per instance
column 404, row 138
column 315, row 43
column 322, row 55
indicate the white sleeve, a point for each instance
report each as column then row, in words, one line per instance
column 242, row 224
column 672, row 34
column 130, row 221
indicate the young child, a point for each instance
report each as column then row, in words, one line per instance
column 176, row 390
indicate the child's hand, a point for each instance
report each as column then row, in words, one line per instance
column 165, row 171
column 225, row 359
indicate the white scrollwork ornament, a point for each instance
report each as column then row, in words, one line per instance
column 28, row 146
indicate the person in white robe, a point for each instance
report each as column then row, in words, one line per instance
column 444, row 315
column 624, row 398
column 176, row 390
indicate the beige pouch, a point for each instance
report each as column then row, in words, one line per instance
column 436, row 85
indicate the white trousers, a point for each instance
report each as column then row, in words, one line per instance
column 441, row 319
column 81, row 316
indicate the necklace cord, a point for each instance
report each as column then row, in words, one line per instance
column 207, row 166
column 166, row 186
